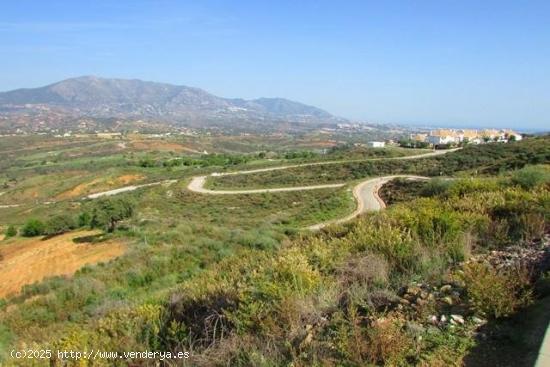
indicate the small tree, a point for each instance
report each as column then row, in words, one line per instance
column 11, row 231
column 109, row 212
column 60, row 224
column 84, row 219
column 33, row 227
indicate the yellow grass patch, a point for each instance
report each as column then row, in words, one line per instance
column 97, row 185
column 125, row 179
column 160, row 145
column 78, row 190
column 25, row 261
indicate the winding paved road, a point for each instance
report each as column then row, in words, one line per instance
column 365, row 193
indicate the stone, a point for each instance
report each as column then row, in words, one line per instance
column 443, row 319
column 414, row 290
column 478, row 321
column 446, row 288
column 458, row 319
column 432, row 319
column 448, row 300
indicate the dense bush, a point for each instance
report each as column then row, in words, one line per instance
column 531, row 177
column 11, row 231
column 60, row 224
column 435, row 186
column 32, row 228
column 84, row 219
column 497, row 293
column 108, row 212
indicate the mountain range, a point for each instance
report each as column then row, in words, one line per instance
column 102, row 98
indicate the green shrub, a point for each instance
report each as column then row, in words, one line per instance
column 11, row 231
column 531, row 177
column 33, row 227
column 84, row 219
column 108, row 212
column 257, row 239
column 60, row 224
column 497, row 293
column 370, row 269
column 387, row 342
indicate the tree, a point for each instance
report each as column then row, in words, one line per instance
column 11, row 231
column 60, row 224
column 84, row 219
column 109, row 212
column 33, row 227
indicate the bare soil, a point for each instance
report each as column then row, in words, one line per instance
column 27, row 260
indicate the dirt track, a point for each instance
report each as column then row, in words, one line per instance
column 417, row 156
column 197, row 185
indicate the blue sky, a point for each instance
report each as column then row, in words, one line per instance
column 441, row 62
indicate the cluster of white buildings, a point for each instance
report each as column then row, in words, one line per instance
column 455, row 136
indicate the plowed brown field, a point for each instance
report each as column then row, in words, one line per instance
column 25, row 261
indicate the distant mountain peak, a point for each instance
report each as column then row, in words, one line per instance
column 97, row 97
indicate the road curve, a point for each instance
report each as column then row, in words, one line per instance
column 364, row 193
column 197, row 185
column 366, row 196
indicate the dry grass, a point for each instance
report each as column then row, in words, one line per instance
column 126, row 179
column 98, row 185
column 78, row 190
column 25, row 261
column 159, row 145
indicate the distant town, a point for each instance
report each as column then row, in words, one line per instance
column 457, row 136
column 442, row 138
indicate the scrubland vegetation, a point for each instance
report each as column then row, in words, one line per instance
column 487, row 159
column 236, row 281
